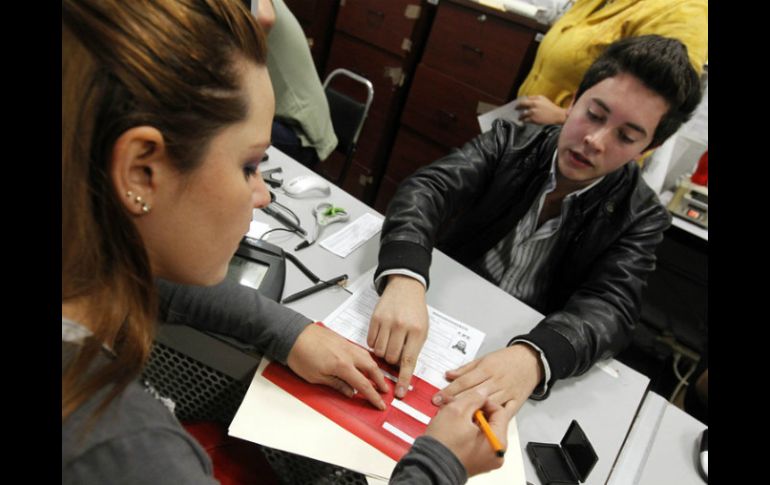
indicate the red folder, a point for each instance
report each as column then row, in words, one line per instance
column 356, row 414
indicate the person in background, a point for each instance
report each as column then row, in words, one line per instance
column 302, row 127
column 585, row 30
column 166, row 115
column 558, row 217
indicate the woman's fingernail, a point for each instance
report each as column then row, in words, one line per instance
column 400, row 391
column 436, row 400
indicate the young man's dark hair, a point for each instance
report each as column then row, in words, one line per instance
column 662, row 64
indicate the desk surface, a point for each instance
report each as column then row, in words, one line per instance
column 662, row 447
column 322, row 262
column 604, row 400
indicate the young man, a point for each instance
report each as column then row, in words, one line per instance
column 557, row 216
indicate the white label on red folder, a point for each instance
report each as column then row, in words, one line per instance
column 402, row 406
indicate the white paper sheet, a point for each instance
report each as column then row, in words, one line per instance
column 450, row 343
column 257, row 229
column 272, row 417
column 347, row 240
column 507, row 112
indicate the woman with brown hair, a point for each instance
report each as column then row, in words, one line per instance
column 166, row 114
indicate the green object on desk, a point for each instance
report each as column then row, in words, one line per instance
column 334, row 210
column 325, row 213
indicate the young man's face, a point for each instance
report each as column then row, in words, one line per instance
column 610, row 124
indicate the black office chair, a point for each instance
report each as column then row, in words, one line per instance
column 348, row 115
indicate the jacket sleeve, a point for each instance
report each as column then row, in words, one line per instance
column 429, row 462
column 143, row 456
column 233, row 310
column 433, row 195
column 598, row 318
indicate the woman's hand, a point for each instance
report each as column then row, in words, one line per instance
column 321, row 356
column 540, row 110
column 454, row 426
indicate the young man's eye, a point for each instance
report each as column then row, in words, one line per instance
column 625, row 138
column 593, row 116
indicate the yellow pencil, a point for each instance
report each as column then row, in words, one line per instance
column 496, row 445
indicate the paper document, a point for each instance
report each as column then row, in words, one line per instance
column 506, row 112
column 523, row 8
column 257, row 229
column 347, row 240
column 450, row 343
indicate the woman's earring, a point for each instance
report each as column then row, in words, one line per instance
column 145, row 206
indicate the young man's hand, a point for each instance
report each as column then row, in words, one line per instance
column 321, row 356
column 507, row 376
column 454, row 427
column 540, row 111
column 399, row 326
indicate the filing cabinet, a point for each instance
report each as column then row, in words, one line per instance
column 474, row 59
column 380, row 40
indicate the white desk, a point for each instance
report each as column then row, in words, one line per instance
column 662, row 447
column 320, row 261
column 604, row 403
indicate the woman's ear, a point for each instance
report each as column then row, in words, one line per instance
column 138, row 158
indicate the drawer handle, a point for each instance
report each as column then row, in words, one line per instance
column 448, row 115
column 473, row 49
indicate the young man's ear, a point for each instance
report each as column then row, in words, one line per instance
column 137, row 163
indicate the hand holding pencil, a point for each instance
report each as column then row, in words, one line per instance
column 457, row 427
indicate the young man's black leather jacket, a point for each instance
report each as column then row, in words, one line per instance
column 467, row 201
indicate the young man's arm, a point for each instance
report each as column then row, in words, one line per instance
column 598, row 319
column 595, row 323
column 423, row 202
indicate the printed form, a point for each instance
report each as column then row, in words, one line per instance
column 450, row 343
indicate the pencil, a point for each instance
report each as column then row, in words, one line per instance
column 496, row 445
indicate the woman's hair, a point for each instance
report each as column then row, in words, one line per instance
column 169, row 64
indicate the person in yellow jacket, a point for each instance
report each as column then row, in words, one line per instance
column 579, row 37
